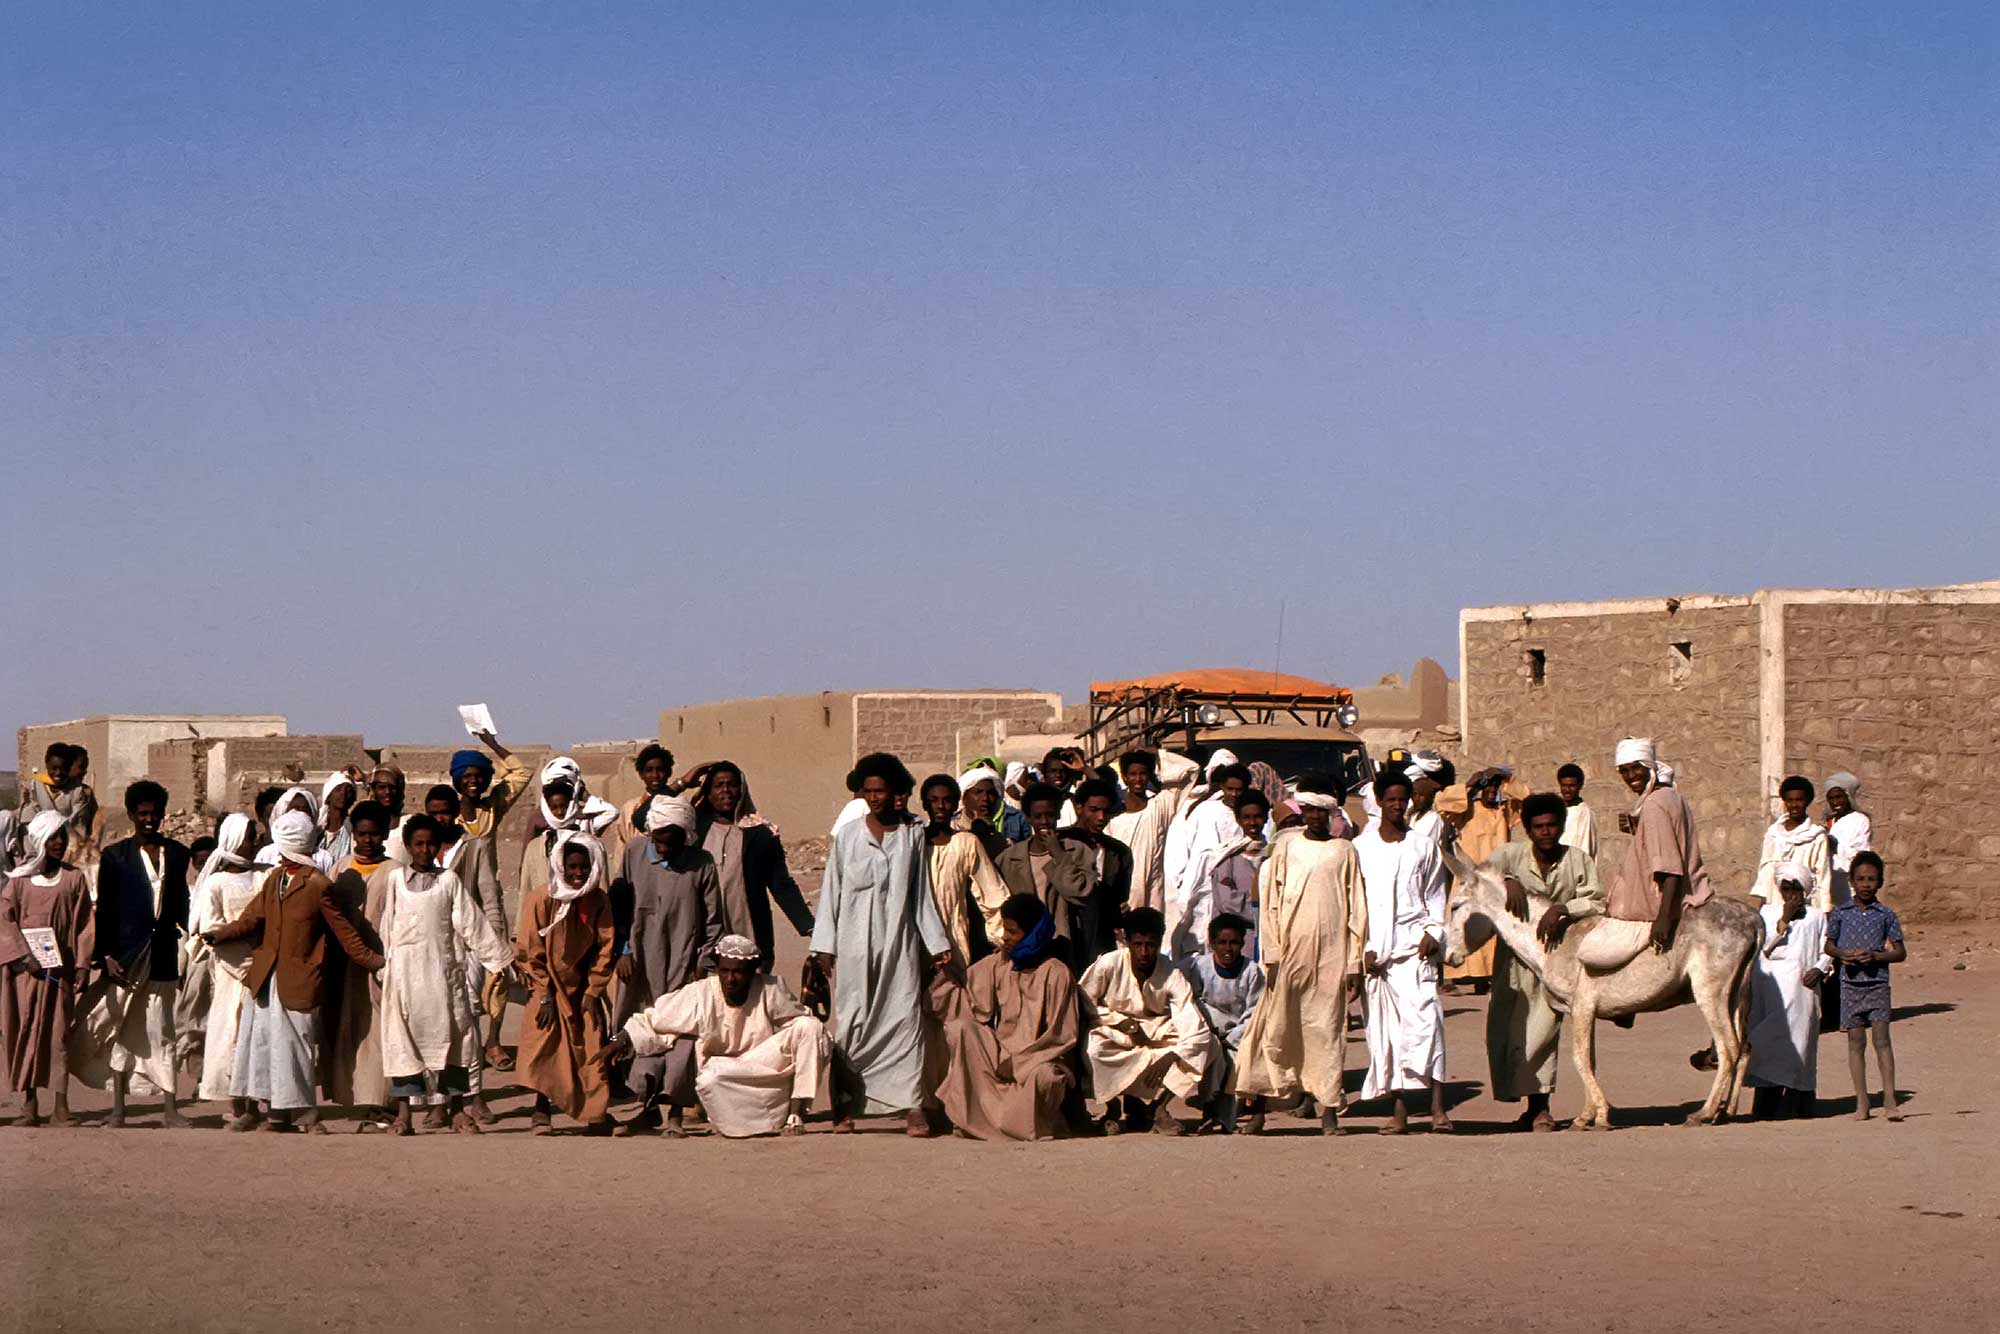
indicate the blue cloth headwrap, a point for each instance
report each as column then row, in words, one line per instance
column 1035, row 944
column 461, row 760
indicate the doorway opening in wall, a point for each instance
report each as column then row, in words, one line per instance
column 1538, row 666
column 1680, row 663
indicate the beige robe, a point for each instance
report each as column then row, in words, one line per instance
column 351, row 1068
column 1143, row 1037
column 1011, row 1034
column 1523, row 1030
column 752, row 1061
column 1314, row 928
column 961, row 868
column 1809, row 846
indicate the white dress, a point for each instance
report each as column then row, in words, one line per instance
column 1784, row 1012
column 1405, row 887
column 430, row 926
column 221, row 897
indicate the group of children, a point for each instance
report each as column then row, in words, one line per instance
column 985, row 965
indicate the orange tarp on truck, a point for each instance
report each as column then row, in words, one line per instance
column 1227, row 681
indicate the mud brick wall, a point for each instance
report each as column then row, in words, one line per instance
column 924, row 730
column 1907, row 696
column 1616, row 675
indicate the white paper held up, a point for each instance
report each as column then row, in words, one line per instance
column 476, row 717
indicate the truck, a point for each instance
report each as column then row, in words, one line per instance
column 1292, row 723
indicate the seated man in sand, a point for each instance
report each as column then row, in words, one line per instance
column 760, row 1059
column 1146, row 1040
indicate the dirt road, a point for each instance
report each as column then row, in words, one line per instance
column 1828, row 1224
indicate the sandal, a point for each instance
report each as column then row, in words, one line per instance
column 540, row 1124
column 464, row 1124
column 498, row 1059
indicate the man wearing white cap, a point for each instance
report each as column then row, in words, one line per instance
column 1661, row 873
column 1785, row 978
column 667, row 901
column 761, row 1059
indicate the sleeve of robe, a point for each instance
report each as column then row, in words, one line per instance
column 510, row 780
column 1270, row 923
column 343, row 931
column 1588, row 900
column 485, row 885
column 1182, row 1006
column 784, row 890
column 606, row 958
column 1233, row 1035
column 989, row 891
column 624, row 897
column 1053, row 1043
column 678, row 1014
column 531, row 948
column 825, row 935
column 251, row 920
column 930, row 927
column 475, row 929
column 781, row 1005
column 711, row 903
column 13, row 944
column 1072, row 872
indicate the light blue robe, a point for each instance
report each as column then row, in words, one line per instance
column 1228, row 1002
column 877, row 919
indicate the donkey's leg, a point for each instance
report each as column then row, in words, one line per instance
column 1583, row 1052
column 1715, row 997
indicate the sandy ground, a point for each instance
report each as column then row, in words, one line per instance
column 1828, row 1224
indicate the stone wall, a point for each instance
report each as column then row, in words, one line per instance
column 1907, row 696
column 939, row 732
column 1607, row 676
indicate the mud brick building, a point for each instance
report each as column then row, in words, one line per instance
column 1901, row 686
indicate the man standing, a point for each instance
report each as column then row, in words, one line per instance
column 1110, row 861
column 749, row 858
column 877, row 929
column 1058, row 872
column 1522, row 1028
column 1154, row 790
column 486, row 792
column 965, row 884
column 1404, row 877
column 1210, row 827
column 1314, row 931
column 1661, row 874
column 142, row 910
column 1579, row 822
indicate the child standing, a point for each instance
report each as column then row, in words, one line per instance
column 44, row 924
column 567, row 946
column 1864, row 938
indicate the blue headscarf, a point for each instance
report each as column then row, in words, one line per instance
column 1035, row 944
column 461, row 760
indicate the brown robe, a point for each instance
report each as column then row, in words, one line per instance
column 1012, row 1039
column 34, row 1011
column 574, row 961
column 351, row 1069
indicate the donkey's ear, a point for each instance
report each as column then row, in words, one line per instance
column 1461, row 870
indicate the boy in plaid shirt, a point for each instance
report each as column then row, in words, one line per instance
column 1864, row 938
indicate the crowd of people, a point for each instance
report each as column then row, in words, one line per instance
column 1029, row 953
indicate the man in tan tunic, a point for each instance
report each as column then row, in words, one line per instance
column 1011, row 1032
column 1661, row 874
column 1147, row 1041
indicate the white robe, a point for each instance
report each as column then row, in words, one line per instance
column 1145, row 830
column 1142, row 1037
column 221, row 897
column 430, row 926
column 1784, row 1012
column 751, row 1061
column 1405, row 886
column 1580, row 829
column 878, row 920
column 1209, row 831
column 1849, row 834
column 1807, row 845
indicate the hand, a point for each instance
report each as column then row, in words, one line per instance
column 1626, row 824
column 487, row 737
column 1427, row 948
column 1517, row 898
column 1043, row 844
column 545, row 1017
column 824, row 962
column 1812, row 978
column 1552, row 927
column 1663, row 934
column 1370, row 962
column 940, row 960
column 623, row 968
column 207, row 937
column 614, row 1051
column 112, row 969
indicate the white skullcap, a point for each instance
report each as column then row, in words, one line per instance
column 40, row 830
column 1219, row 759
column 1636, row 750
column 663, row 811
column 1845, row 781
column 1325, row 801
column 1796, row 873
column 293, row 835
column 738, row 947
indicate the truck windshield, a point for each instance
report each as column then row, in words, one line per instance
column 1345, row 760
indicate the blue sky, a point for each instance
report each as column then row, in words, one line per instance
column 590, row 359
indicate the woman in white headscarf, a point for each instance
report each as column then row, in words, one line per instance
column 44, row 917
column 1847, row 828
column 226, row 887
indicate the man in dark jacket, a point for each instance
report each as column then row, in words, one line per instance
column 142, row 910
column 749, row 859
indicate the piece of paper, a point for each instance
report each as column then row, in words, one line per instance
column 476, row 717
column 42, row 944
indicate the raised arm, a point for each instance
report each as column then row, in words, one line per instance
column 784, row 890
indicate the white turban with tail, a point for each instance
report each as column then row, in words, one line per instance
column 560, row 890
column 1846, row 782
column 663, row 811
column 1325, row 801
column 40, row 830
column 1637, row 750
column 1222, row 757
column 294, row 835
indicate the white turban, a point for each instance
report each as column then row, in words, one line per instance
column 1222, row 757
column 1016, row 771
column 738, row 947
column 1795, row 873
column 1325, row 801
column 971, row 778
column 664, row 810
column 1846, row 782
column 232, row 843
column 333, row 781
column 1663, row 774
column 292, row 794
column 585, row 811
column 36, row 840
column 560, row 890
column 1636, row 750
column 293, row 835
